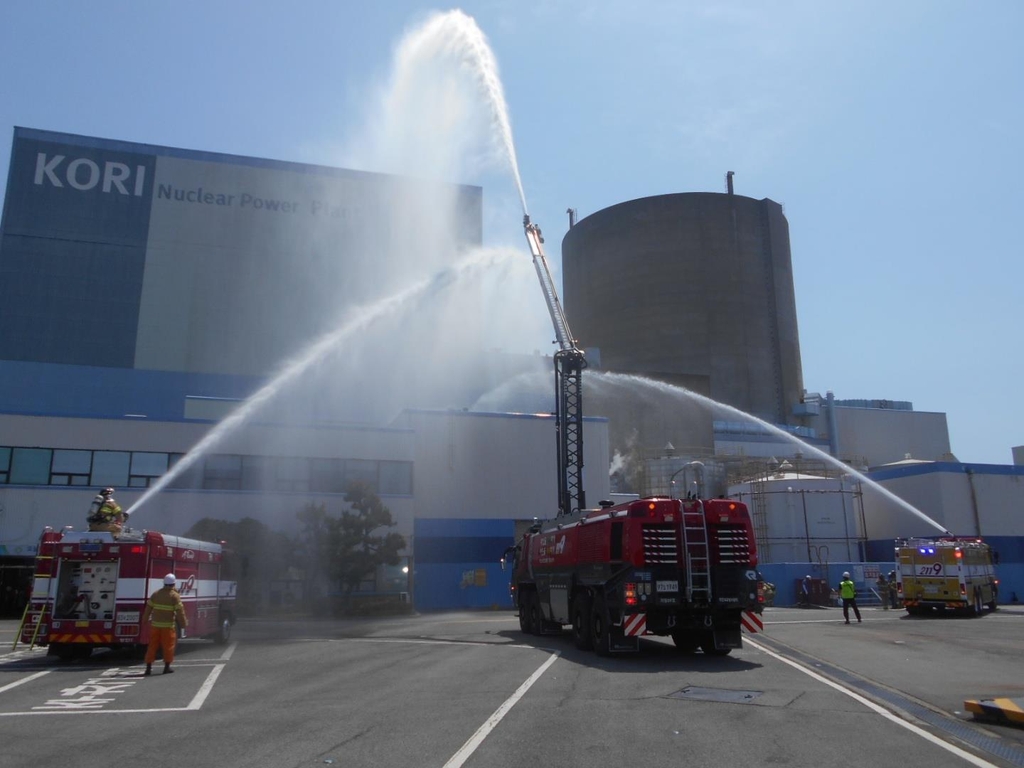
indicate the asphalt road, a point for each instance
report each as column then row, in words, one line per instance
column 469, row 689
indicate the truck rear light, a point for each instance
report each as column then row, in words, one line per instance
column 899, row 587
column 959, row 554
column 963, row 589
column 760, row 591
column 127, row 630
column 631, row 598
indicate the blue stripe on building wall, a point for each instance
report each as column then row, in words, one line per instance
column 51, row 389
column 911, row 470
column 449, row 527
column 457, row 563
column 455, row 586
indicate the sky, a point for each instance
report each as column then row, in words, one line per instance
column 890, row 132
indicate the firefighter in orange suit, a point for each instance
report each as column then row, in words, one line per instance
column 164, row 609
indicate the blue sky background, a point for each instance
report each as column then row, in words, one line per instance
column 891, row 132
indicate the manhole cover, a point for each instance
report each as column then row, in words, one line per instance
column 715, row 694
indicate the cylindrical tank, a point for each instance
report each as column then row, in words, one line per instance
column 695, row 289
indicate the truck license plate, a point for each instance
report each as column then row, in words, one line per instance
column 668, row 586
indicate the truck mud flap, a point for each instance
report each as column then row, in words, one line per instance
column 727, row 639
column 621, row 644
column 549, row 627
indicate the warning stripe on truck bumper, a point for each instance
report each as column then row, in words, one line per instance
column 94, row 639
column 751, row 622
column 635, row 624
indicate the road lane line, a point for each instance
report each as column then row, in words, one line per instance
column 228, row 651
column 206, row 687
column 491, row 723
column 973, row 760
column 16, row 683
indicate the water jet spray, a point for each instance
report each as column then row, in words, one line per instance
column 632, row 380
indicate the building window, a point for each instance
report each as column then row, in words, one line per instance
column 223, row 473
column 70, row 467
column 361, row 471
column 190, row 479
column 327, row 475
column 5, row 464
column 110, row 468
column 141, row 469
column 255, row 473
column 292, row 474
column 30, row 466
column 396, row 478
column 145, row 468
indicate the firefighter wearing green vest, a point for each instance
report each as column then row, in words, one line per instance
column 165, row 611
column 848, row 591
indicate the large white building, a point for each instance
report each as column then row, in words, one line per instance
column 147, row 292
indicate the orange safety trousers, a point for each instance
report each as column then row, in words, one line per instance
column 164, row 638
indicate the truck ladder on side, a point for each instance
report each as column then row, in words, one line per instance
column 39, row 614
column 698, row 556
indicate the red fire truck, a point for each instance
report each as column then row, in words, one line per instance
column 685, row 568
column 90, row 589
column 656, row 566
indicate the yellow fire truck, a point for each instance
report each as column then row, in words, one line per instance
column 949, row 573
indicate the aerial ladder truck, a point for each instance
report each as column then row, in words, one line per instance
column 685, row 568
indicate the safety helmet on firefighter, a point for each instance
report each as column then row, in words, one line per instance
column 170, row 580
column 108, row 491
column 846, row 574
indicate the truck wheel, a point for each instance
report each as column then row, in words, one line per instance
column 600, row 629
column 524, row 625
column 531, row 605
column 223, row 629
column 707, row 644
column 581, row 623
column 685, row 642
column 62, row 651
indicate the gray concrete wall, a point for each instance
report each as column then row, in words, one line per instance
column 876, row 436
column 694, row 289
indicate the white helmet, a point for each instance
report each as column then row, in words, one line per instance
column 170, row 580
column 846, row 574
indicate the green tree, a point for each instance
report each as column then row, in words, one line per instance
column 314, row 548
column 358, row 540
column 261, row 555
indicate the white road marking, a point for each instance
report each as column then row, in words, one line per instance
column 415, row 641
column 206, row 687
column 876, row 708
column 195, row 704
column 489, row 725
column 228, row 651
column 23, row 680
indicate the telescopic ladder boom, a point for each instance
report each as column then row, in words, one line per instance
column 569, row 365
